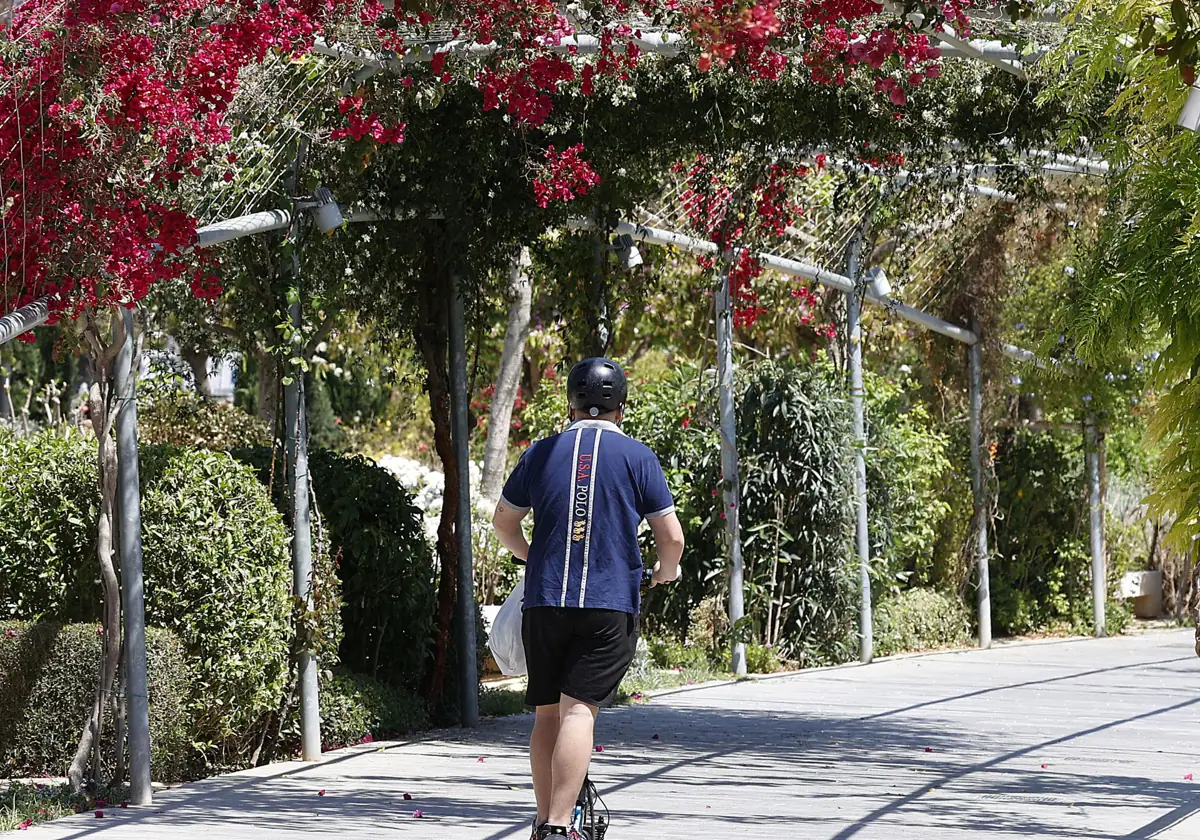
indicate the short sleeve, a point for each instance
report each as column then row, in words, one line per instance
column 516, row 489
column 656, row 496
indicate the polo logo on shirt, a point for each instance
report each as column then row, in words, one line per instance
column 583, row 473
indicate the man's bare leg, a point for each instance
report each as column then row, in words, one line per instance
column 541, row 756
column 572, row 753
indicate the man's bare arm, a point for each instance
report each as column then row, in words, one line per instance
column 668, row 539
column 507, row 522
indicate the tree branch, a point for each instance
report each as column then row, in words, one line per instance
column 322, row 333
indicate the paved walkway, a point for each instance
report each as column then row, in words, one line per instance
column 1079, row 739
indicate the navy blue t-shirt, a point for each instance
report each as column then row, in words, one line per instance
column 589, row 488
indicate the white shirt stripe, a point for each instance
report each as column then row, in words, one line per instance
column 562, row 602
column 587, row 540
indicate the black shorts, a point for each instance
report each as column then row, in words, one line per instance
column 582, row 653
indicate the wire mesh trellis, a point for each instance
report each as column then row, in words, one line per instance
column 917, row 234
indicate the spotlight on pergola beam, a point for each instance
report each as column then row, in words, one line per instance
column 1189, row 117
column 877, row 281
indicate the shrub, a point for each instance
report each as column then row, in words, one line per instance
column 908, row 467
column 355, row 707
column 762, row 659
column 50, row 501
column 499, row 702
column 670, row 653
column 920, row 619
column 217, row 568
column 218, row 574
column 385, row 565
column 48, row 680
column 793, row 439
column 1041, row 576
column 171, row 416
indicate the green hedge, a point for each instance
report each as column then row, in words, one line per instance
column 48, row 680
column 217, row 565
column 218, row 572
column 920, row 619
column 48, row 531
column 385, row 566
column 355, row 707
column 168, row 415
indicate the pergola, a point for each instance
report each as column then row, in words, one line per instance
column 826, row 249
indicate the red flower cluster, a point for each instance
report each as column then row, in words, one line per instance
column 525, row 92
column 842, row 40
column 745, row 270
column 729, row 32
column 741, row 224
column 564, row 176
column 108, row 106
column 361, row 124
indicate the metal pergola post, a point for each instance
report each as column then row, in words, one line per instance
column 862, row 542
column 1091, row 451
column 129, row 536
column 296, row 420
column 296, row 430
column 731, row 477
column 465, row 604
column 979, row 490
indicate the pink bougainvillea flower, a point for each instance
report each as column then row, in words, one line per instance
column 655, row 737
column 418, row 814
column 321, row 792
column 125, row 804
column 481, row 760
column 25, row 824
column 564, row 176
column 1188, row 777
column 408, row 797
column 99, row 815
column 929, row 749
column 1045, row 766
column 599, row 748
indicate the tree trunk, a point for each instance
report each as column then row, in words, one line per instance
column 197, row 360
column 432, row 336
column 268, row 387
column 100, row 407
column 495, row 453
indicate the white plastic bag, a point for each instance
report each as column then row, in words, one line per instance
column 508, row 648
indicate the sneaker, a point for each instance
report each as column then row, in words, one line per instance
column 536, row 828
column 548, row 830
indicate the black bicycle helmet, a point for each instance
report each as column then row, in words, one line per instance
column 597, row 386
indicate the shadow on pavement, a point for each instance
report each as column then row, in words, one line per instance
column 806, row 765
